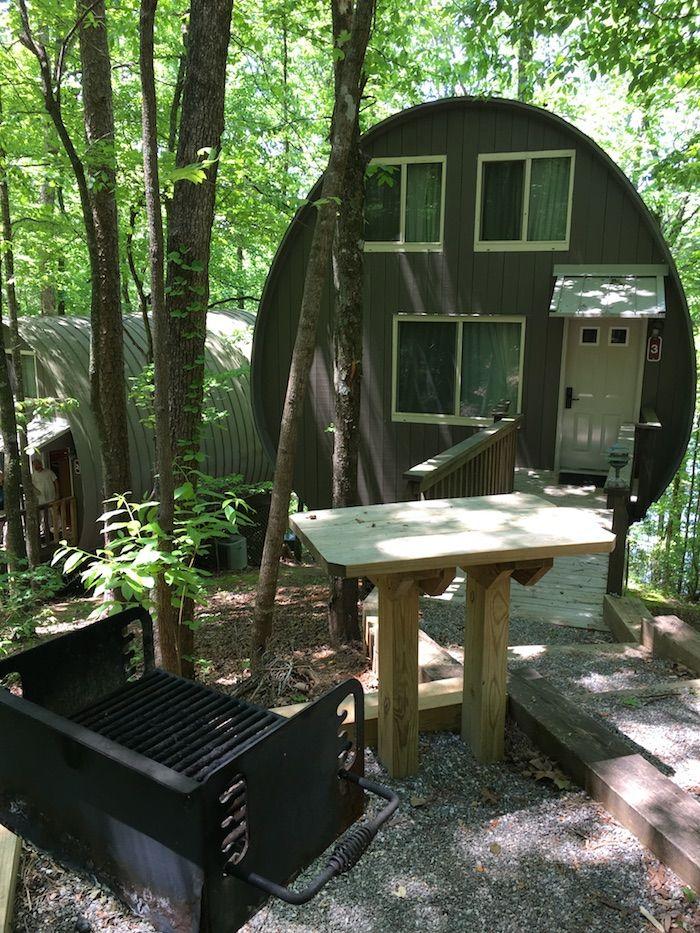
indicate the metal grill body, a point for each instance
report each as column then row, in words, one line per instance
column 165, row 788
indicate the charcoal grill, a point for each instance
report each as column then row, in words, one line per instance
column 194, row 806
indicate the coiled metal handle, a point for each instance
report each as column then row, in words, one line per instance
column 346, row 854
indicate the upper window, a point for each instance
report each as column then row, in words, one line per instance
column 405, row 203
column 29, row 377
column 456, row 369
column 524, row 200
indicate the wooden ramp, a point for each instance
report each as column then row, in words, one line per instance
column 572, row 592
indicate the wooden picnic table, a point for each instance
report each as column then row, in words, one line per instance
column 409, row 548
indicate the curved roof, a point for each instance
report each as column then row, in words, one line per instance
column 231, row 445
column 305, row 218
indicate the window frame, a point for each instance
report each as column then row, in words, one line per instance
column 400, row 245
column 522, row 245
column 32, row 354
column 587, row 343
column 460, row 321
column 626, row 329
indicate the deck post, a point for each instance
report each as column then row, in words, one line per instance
column 397, row 723
column 485, row 659
column 618, row 501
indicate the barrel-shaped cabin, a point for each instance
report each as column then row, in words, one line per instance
column 55, row 359
column 509, row 266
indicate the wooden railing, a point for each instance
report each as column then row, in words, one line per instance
column 483, row 465
column 60, row 519
column 629, row 494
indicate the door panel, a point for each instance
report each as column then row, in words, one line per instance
column 601, row 366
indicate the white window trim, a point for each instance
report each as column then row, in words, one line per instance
column 521, row 245
column 400, row 246
column 627, row 336
column 587, row 343
column 461, row 320
column 32, row 353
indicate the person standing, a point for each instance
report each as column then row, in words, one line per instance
column 45, row 483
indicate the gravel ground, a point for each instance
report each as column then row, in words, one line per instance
column 444, row 622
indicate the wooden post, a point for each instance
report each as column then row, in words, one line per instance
column 618, row 502
column 398, row 674
column 485, row 657
column 10, row 849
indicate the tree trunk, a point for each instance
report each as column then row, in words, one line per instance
column 190, row 221
column 347, row 373
column 48, row 299
column 133, row 213
column 351, row 53
column 13, row 534
column 31, row 518
column 525, row 76
column 108, row 383
column 165, row 611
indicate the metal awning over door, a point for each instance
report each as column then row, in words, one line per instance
column 613, row 291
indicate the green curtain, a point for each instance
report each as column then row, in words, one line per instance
column 549, row 199
column 502, row 200
column 383, row 203
column 426, row 367
column 423, row 199
column 490, row 367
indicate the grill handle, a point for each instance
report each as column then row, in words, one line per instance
column 346, row 854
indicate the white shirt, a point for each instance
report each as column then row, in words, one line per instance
column 43, row 482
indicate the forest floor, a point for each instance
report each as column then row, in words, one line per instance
column 498, row 848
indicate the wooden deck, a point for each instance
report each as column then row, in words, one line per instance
column 572, row 592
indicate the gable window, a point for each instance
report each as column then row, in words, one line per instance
column 524, row 200
column 29, row 377
column 456, row 369
column 405, row 203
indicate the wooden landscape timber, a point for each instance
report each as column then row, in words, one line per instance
column 671, row 638
column 10, row 849
column 624, row 616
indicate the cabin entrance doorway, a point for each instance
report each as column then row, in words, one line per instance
column 601, row 388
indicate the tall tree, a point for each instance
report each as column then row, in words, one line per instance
column 14, row 536
column 31, row 521
column 348, row 256
column 349, row 48
column 96, row 189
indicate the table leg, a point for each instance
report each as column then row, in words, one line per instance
column 485, row 660
column 398, row 675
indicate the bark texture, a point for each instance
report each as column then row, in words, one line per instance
column 14, row 535
column 165, row 611
column 108, row 383
column 190, row 221
column 345, row 112
column 31, row 518
column 347, row 373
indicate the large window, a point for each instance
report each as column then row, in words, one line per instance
column 456, row 369
column 29, row 377
column 405, row 203
column 524, row 200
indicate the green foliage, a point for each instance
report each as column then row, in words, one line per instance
column 22, row 593
column 124, row 572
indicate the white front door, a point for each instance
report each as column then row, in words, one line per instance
column 600, row 381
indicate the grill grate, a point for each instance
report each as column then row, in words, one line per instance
column 180, row 724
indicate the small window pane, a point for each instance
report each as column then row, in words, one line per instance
column 426, row 367
column 502, row 200
column 383, row 203
column 423, row 199
column 549, row 199
column 490, row 367
column 589, row 335
column 29, row 376
column 618, row 336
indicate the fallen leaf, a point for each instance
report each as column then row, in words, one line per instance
column 690, row 895
column 488, row 795
column 419, row 801
column 480, row 868
column 495, row 848
column 400, row 891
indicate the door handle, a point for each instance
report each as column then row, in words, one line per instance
column 570, row 397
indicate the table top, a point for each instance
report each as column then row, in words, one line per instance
column 438, row 533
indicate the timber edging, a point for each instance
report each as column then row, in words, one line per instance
column 10, row 849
